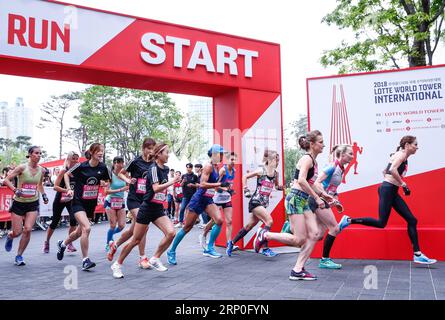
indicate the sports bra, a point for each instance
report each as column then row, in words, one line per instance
column 401, row 169
column 310, row 173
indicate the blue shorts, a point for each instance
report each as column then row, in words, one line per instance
column 198, row 204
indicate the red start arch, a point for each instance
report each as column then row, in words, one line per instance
column 59, row 41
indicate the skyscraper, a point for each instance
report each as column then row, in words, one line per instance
column 3, row 119
column 20, row 120
column 203, row 108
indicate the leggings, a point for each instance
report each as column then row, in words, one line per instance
column 57, row 213
column 390, row 198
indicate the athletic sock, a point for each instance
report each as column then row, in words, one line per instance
column 213, row 235
column 178, row 238
column 110, row 235
column 240, row 235
column 327, row 245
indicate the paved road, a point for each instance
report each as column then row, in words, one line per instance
column 246, row 275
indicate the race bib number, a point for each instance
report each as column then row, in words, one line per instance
column 266, row 188
column 331, row 189
column 117, row 203
column 210, row 193
column 29, row 190
column 90, row 192
column 140, row 186
column 65, row 198
column 178, row 191
column 222, row 197
column 159, row 197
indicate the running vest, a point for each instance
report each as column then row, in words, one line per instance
column 116, row 200
column 312, row 172
column 63, row 196
column 28, row 184
column 264, row 187
column 209, row 193
column 224, row 196
column 402, row 169
column 334, row 172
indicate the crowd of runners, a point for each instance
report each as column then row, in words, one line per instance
column 204, row 195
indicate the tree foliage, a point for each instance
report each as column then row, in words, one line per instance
column 387, row 33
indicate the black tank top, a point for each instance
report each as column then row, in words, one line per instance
column 310, row 173
column 401, row 169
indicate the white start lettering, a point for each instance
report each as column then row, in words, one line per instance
column 225, row 56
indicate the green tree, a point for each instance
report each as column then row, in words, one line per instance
column 388, row 33
column 22, row 142
column 292, row 152
column 123, row 117
column 54, row 112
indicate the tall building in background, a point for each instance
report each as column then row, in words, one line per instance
column 203, row 108
column 20, row 120
column 4, row 120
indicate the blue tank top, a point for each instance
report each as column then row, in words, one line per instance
column 213, row 178
column 116, row 183
column 224, row 196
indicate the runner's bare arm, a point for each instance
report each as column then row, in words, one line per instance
column 397, row 161
column 16, row 172
column 59, row 178
column 205, row 177
column 124, row 175
column 250, row 175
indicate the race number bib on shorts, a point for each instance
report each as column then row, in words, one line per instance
column 90, row 192
column 159, row 197
column 210, row 193
column 140, row 186
column 29, row 190
column 117, row 203
column 266, row 188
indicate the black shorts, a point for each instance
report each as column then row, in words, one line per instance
column 22, row 208
column 88, row 207
column 149, row 214
column 253, row 204
column 178, row 200
column 57, row 213
column 313, row 205
column 225, row 205
column 133, row 203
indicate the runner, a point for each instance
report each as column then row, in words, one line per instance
column 189, row 184
column 329, row 180
column 178, row 195
column 389, row 198
column 303, row 221
column 62, row 201
column 267, row 178
column 87, row 176
column 201, row 201
column 114, row 202
column 152, row 210
column 223, row 199
column 25, row 204
column 138, row 169
column 171, row 209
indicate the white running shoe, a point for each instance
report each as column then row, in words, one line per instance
column 178, row 225
column 157, row 264
column 203, row 241
column 117, row 271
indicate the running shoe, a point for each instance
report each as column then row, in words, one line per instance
column 423, row 259
column 202, row 241
column 171, row 257
column 112, row 250
column 19, row 261
column 211, row 253
column 235, row 248
column 344, row 222
column 302, row 275
column 178, row 225
column 71, row 248
column 87, row 264
column 8, row 243
column 117, row 271
column 144, row 263
column 229, row 248
column 269, row 253
column 60, row 249
column 46, row 247
column 327, row 263
column 157, row 264
column 259, row 239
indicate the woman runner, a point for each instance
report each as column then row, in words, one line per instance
column 267, row 179
column 152, row 210
column 87, row 176
column 62, row 201
column 114, row 202
column 389, row 198
column 25, row 205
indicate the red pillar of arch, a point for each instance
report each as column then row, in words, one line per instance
column 59, row 41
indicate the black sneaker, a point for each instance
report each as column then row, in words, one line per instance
column 60, row 250
column 87, row 264
column 302, row 275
